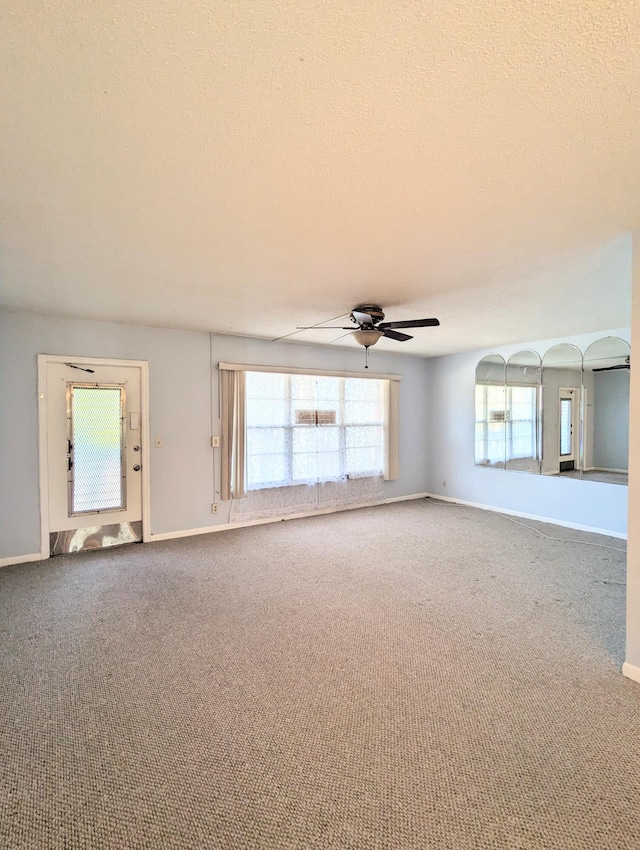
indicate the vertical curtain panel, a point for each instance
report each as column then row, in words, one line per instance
column 392, row 431
column 232, row 414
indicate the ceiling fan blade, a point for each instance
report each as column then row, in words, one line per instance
column 322, row 328
column 362, row 318
column 395, row 335
column 411, row 323
column 342, row 336
column 612, row 368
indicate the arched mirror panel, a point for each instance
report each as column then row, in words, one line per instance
column 561, row 410
column 522, row 422
column 490, row 432
column 606, row 410
column 567, row 414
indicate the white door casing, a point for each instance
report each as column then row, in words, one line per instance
column 570, row 433
column 63, row 508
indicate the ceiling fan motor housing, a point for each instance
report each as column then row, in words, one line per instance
column 373, row 310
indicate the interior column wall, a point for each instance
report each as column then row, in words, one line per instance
column 632, row 665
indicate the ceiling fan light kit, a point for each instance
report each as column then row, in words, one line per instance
column 367, row 337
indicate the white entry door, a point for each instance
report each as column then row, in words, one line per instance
column 94, row 454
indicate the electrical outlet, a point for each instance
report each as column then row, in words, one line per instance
column 215, row 442
column 214, row 509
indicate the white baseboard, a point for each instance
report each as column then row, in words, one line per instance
column 631, row 671
column 227, row 526
column 20, row 559
column 577, row 526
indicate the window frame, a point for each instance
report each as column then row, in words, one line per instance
column 341, row 426
column 231, row 401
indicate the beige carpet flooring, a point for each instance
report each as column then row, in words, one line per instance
column 415, row 675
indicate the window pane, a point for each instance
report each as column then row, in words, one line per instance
column 96, row 437
column 365, row 460
column 361, row 436
column 328, row 465
column 265, row 441
column 362, row 389
column 327, row 390
column 304, row 439
column 265, row 385
column 565, row 426
column 303, row 388
column 362, row 412
column 304, row 467
column 328, row 439
column 266, row 412
column 266, row 469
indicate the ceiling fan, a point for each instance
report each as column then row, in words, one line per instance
column 625, row 365
column 370, row 326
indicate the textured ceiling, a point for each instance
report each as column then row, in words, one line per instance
column 245, row 167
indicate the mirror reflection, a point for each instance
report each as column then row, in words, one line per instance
column 522, row 439
column 565, row 414
column 606, row 410
column 491, row 373
column 561, row 399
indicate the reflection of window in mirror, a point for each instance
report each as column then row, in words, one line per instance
column 522, row 407
column 490, row 412
column 490, row 425
column 523, row 379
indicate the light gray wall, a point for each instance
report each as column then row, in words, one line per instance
column 589, row 436
column 452, row 471
column 611, row 419
column 182, row 396
column 437, row 424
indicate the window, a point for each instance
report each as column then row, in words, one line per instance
column 566, row 449
column 307, row 428
column 95, row 441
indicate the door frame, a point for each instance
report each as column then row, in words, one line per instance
column 575, row 396
column 43, row 427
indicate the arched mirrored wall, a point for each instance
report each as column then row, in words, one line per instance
column 566, row 413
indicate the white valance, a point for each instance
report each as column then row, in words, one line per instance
column 292, row 370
